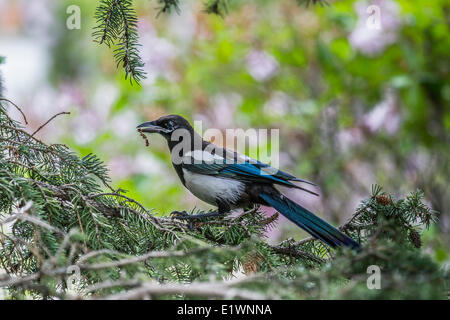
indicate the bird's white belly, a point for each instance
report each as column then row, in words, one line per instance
column 210, row 188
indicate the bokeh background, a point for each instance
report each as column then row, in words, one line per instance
column 355, row 106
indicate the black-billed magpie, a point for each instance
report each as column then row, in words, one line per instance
column 229, row 180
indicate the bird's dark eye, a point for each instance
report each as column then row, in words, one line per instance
column 170, row 124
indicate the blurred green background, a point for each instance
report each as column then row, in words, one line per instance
column 355, row 106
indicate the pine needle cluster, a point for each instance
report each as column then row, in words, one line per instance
column 117, row 27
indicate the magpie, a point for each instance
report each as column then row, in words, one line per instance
column 229, row 180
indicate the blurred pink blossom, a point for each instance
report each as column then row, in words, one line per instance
column 383, row 116
column 123, row 166
column 157, row 53
column 85, row 126
column 224, row 107
column 38, row 19
column 103, row 98
column 183, row 26
column 348, row 138
column 146, row 163
column 371, row 41
column 361, row 171
column 261, row 65
column 123, row 125
column 278, row 104
column 120, row 167
column 70, row 95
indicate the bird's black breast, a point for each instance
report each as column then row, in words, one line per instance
column 179, row 170
column 178, row 167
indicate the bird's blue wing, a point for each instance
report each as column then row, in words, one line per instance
column 278, row 173
column 262, row 173
column 250, row 171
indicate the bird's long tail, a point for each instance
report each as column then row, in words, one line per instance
column 308, row 221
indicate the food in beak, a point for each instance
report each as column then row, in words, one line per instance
column 143, row 137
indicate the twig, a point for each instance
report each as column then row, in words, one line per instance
column 127, row 261
column 92, row 254
column 39, row 222
column 61, row 271
column 116, row 194
column 252, row 210
column 43, row 125
column 291, row 251
column 17, row 107
column 111, row 284
column 17, row 281
column 196, row 289
column 22, row 215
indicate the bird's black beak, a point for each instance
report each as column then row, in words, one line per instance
column 150, row 127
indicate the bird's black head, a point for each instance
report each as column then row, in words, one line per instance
column 165, row 125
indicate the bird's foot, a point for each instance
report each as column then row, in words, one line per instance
column 183, row 215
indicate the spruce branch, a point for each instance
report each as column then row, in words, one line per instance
column 117, row 26
column 17, row 107
column 307, row 3
column 211, row 289
column 218, row 7
column 167, row 6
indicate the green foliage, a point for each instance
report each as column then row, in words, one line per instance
column 57, row 218
column 167, row 6
column 309, row 2
column 219, row 7
column 117, row 26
